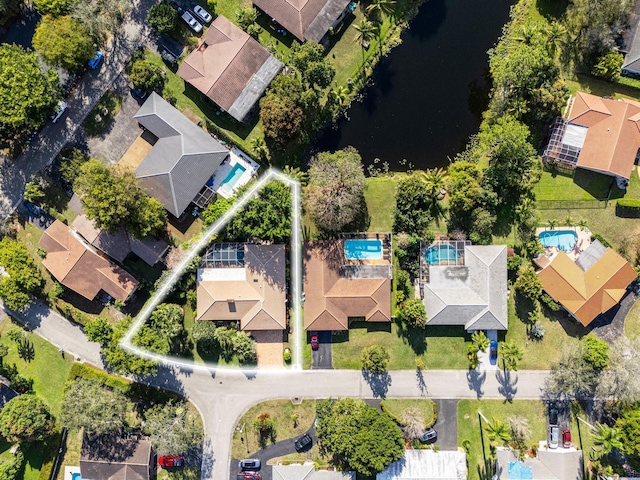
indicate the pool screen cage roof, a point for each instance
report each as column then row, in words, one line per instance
column 221, row 255
column 458, row 260
column 565, row 150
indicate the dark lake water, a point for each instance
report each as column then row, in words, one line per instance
column 428, row 95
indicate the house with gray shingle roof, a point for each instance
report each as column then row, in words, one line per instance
column 631, row 43
column 465, row 284
column 181, row 161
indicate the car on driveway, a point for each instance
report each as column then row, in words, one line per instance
column 553, row 416
column 96, row 61
column 314, row 341
column 194, row 25
column 553, row 436
column 248, row 476
column 60, row 109
column 493, row 351
column 566, row 438
column 171, row 461
column 429, row 435
column 201, row 13
column 304, row 443
column 249, row 464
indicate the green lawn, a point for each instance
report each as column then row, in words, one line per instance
column 380, row 196
column 469, row 425
column 560, row 330
column 290, row 421
column 427, row 408
column 101, row 115
column 602, row 88
column 632, row 323
column 439, row 347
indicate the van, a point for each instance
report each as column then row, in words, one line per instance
column 553, row 436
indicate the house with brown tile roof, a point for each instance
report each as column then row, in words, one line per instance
column 338, row 288
column 231, row 68
column 598, row 134
column 593, row 284
column 76, row 266
column 245, row 283
column 305, row 19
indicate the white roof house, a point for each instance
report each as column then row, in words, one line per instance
column 308, row 472
column 427, row 465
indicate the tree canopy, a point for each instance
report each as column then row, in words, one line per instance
column 162, row 17
column 28, row 93
column 120, row 361
column 147, row 75
column 374, row 359
column 100, row 17
column 334, row 196
column 172, row 427
column 358, row 437
column 23, row 278
column 53, row 7
column 63, row 41
column 26, row 418
column 315, row 69
column 413, row 200
column 94, row 407
column 164, row 329
column 413, row 313
column 113, row 199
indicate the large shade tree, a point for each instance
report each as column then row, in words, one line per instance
column 334, row 196
column 172, row 427
column 23, row 277
column 26, row 418
column 28, row 93
column 63, row 41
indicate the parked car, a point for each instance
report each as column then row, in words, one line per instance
column 248, row 476
column 140, row 94
column 303, row 443
column 60, row 109
column 429, row 435
column 168, row 56
column 171, row 461
column 553, row 436
column 195, row 25
column 201, row 13
column 249, row 464
column 566, row 438
column 96, row 61
column 553, row 416
column 314, row 341
column 493, row 350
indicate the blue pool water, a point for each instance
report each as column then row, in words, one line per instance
column 76, row 476
column 370, row 249
column 442, row 253
column 234, row 175
column 565, row 240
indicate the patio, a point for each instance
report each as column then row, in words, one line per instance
column 236, row 171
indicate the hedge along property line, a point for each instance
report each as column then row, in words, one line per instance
column 628, row 208
column 396, row 419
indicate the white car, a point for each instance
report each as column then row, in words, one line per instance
column 202, row 13
column 60, row 109
column 192, row 22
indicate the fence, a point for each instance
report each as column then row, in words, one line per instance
column 571, row 204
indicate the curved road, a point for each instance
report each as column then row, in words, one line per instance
column 222, row 397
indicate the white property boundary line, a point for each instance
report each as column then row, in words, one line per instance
column 296, row 279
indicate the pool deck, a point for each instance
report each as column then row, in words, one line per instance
column 584, row 240
column 236, row 156
column 69, row 471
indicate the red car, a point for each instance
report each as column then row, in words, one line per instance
column 566, row 438
column 314, row 341
column 171, row 461
column 248, row 476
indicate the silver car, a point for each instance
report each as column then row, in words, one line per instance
column 554, row 433
column 192, row 22
column 201, row 13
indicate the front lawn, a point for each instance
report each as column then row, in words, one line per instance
column 439, row 347
column 289, row 421
column 102, row 114
column 426, row 407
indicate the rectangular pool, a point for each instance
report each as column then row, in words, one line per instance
column 233, row 176
column 367, row 249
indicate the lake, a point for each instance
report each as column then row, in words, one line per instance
column 428, row 95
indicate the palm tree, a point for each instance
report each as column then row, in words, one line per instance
column 606, row 438
column 511, row 354
column 553, row 223
column 295, row 172
column 435, row 178
column 569, row 221
column 526, row 34
column 366, row 32
column 583, row 224
column 555, row 35
column 497, row 432
column 260, row 148
column 413, row 422
column 520, row 429
column 378, row 7
column 339, row 95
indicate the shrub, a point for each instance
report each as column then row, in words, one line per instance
column 596, row 352
column 628, row 207
column 162, row 17
column 147, row 76
column 412, row 312
column 608, row 66
column 597, row 236
column 375, row 359
column 537, row 332
column 550, row 302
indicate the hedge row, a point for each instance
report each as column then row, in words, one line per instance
column 80, row 370
column 628, row 207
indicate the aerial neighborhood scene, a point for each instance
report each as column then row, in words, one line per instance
column 319, row 239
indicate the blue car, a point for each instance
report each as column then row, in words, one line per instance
column 96, row 61
column 493, row 352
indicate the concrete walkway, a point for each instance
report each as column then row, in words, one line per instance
column 222, row 397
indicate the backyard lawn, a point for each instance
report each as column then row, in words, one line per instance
column 439, row 347
column 289, row 421
column 380, row 196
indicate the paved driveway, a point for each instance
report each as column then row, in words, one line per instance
column 321, row 358
column 447, row 423
column 610, row 325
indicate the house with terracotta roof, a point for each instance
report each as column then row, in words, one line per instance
column 183, row 158
column 464, row 284
column 346, row 279
column 305, row 19
column 599, row 134
column 78, row 267
column 231, row 68
column 593, row 284
column 244, row 283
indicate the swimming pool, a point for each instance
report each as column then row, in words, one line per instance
column 366, row 249
column 444, row 253
column 76, row 476
column 565, row 240
column 233, row 176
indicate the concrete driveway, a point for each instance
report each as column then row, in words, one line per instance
column 321, row 358
column 447, row 423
